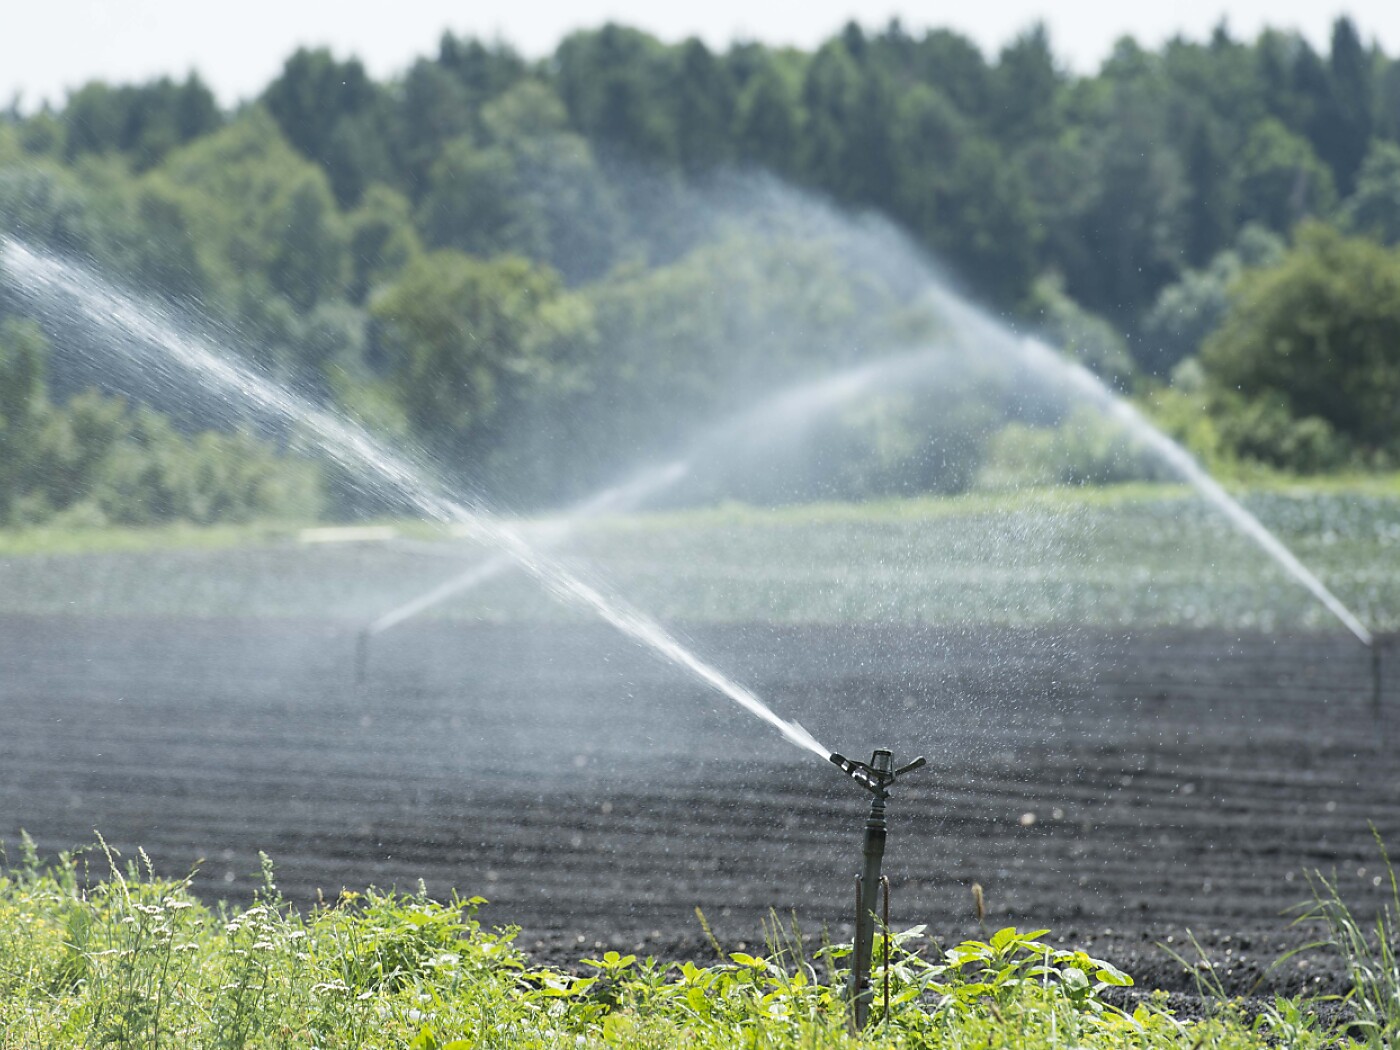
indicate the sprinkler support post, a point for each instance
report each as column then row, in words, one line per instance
column 1376, row 680
column 876, row 777
column 361, row 656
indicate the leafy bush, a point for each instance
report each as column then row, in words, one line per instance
column 1263, row 431
column 97, row 460
column 1085, row 449
column 1230, row 433
column 1317, row 334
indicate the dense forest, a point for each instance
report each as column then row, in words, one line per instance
column 541, row 273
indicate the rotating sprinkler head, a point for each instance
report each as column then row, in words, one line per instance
column 875, row 776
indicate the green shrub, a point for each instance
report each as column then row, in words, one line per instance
column 1085, row 449
column 98, row 461
column 1316, row 334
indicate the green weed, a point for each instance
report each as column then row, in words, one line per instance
column 131, row 960
column 1368, row 951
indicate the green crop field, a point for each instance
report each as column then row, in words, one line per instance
column 1135, row 555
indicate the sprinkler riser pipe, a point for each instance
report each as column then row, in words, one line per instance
column 1376, row 680
column 880, row 775
column 876, row 776
column 862, row 992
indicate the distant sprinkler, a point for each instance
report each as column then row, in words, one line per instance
column 362, row 655
column 1376, row 679
column 876, row 777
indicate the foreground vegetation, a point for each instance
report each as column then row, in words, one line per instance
column 135, row 961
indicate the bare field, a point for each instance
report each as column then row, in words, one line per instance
column 1120, row 788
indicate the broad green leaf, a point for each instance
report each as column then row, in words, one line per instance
column 1113, row 976
column 1076, row 981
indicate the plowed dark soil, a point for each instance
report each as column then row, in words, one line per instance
column 1120, row 789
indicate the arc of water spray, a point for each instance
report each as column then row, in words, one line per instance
column 882, row 245
column 809, row 398
column 1035, row 354
column 350, row 445
column 1190, row 471
column 613, row 500
column 788, row 408
column 1042, row 359
column 804, row 400
column 1040, row 356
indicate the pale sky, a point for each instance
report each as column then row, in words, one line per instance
column 48, row 47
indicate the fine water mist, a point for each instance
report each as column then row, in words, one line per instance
column 777, row 418
column 1079, row 381
column 959, row 341
column 957, row 346
column 868, row 242
column 620, row 498
column 153, row 336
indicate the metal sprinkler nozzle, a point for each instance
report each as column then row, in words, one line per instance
column 875, row 776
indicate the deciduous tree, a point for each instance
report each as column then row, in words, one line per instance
column 1319, row 333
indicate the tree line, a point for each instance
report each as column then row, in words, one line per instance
column 521, row 265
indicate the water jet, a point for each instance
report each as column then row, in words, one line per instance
column 1042, row 360
column 875, row 245
column 796, row 406
column 875, row 776
column 626, row 496
column 155, row 340
column 782, row 412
